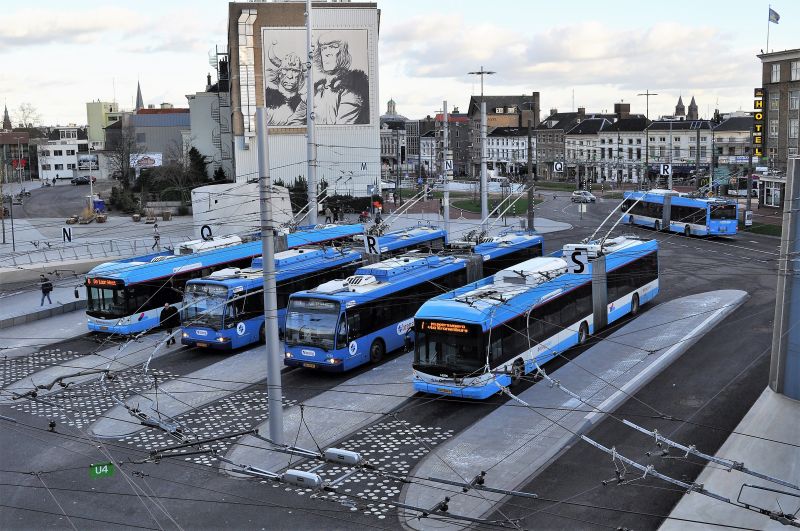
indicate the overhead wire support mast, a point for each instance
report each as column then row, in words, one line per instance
column 272, row 345
column 727, row 463
column 311, row 146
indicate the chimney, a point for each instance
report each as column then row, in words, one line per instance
column 151, row 106
column 536, row 112
column 553, row 111
column 167, row 106
column 208, row 82
column 581, row 111
column 622, row 110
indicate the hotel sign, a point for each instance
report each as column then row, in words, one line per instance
column 758, row 122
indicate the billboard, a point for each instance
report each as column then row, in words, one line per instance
column 145, row 160
column 87, row 161
column 340, row 74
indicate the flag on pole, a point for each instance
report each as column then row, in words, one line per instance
column 774, row 16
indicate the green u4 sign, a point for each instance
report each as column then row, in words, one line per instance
column 101, row 470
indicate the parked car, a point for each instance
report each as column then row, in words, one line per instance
column 582, row 196
column 83, row 179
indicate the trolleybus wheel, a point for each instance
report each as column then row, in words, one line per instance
column 583, row 333
column 657, row 225
column 376, row 351
column 517, row 371
column 687, row 231
column 635, row 304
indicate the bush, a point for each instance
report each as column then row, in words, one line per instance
column 123, row 200
column 183, row 210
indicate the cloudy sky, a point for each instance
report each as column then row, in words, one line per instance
column 58, row 55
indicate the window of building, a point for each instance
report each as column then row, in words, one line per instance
column 70, row 166
column 57, row 152
column 639, row 141
column 58, row 167
column 677, row 139
column 793, row 126
column 630, row 141
column 45, row 167
column 794, row 100
column 638, row 153
column 662, row 139
column 792, row 151
column 676, row 152
column 70, row 152
column 602, row 140
column 774, row 101
column 776, row 73
column 692, row 152
column 795, row 71
column 773, row 128
column 662, row 151
column 652, row 139
column 703, row 139
column 702, row 152
column 45, row 153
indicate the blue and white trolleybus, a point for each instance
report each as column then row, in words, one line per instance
column 676, row 212
column 471, row 340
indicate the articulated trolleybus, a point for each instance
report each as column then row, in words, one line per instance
column 472, row 340
column 676, row 212
column 345, row 323
column 226, row 309
column 126, row 296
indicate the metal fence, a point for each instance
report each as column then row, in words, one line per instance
column 110, row 249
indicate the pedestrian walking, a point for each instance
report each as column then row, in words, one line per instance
column 54, row 179
column 169, row 320
column 46, row 287
column 156, row 238
column 328, row 215
column 335, row 214
column 378, row 218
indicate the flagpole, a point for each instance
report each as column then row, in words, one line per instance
column 769, row 13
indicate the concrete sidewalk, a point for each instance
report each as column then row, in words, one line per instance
column 332, row 415
column 25, row 305
column 514, row 443
column 25, row 339
column 773, row 417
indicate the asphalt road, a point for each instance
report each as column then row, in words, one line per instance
column 713, row 384
column 60, row 201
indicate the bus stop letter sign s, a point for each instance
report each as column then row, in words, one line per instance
column 577, row 263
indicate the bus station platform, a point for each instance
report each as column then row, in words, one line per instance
column 514, row 443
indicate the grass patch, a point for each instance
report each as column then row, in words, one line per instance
column 762, row 228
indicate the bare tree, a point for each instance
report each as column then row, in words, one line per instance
column 121, row 149
column 26, row 115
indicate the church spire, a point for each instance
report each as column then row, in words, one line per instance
column 139, row 101
column 6, row 119
column 693, row 114
column 680, row 110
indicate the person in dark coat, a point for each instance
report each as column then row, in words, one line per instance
column 47, row 287
column 169, row 320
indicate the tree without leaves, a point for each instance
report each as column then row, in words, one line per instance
column 121, row 146
column 26, row 115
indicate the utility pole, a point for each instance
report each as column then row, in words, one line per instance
column 749, row 176
column 647, row 95
column 697, row 154
column 273, row 346
column 784, row 376
column 447, row 157
column 531, row 182
column 484, row 190
column 311, row 146
column 669, row 179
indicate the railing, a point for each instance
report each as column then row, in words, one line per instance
column 58, row 252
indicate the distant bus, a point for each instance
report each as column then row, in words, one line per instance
column 345, row 323
column 490, row 333
column 226, row 309
column 126, row 296
column 674, row 212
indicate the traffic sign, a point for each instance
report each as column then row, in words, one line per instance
column 66, row 234
column 558, row 167
column 448, row 165
column 665, row 169
column 578, row 262
column 101, row 470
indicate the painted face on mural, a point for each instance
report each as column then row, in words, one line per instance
column 329, row 53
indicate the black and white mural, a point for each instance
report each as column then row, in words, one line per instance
column 340, row 74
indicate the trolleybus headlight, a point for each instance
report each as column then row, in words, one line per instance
column 185, row 334
column 288, row 354
column 333, row 361
column 223, row 339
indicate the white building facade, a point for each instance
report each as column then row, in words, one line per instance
column 345, row 92
column 58, row 158
column 507, row 150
